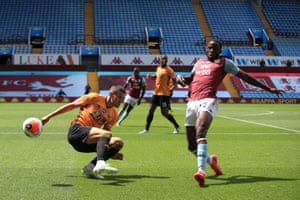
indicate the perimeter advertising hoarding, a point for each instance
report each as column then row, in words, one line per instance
column 189, row 60
column 150, row 60
column 42, row 84
column 289, row 83
column 46, row 59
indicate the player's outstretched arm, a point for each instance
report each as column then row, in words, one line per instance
column 253, row 81
column 63, row 109
column 184, row 80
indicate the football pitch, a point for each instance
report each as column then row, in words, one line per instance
column 258, row 148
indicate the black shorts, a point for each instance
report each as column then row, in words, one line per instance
column 162, row 101
column 77, row 137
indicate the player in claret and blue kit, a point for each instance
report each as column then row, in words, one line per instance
column 202, row 105
column 137, row 87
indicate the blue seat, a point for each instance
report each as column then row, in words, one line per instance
column 22, row 49
column 247, row 51
column 124, row 49
column 70, row 49
column 229, row 21
column 121, row 22
column 283, row 17
column 286, row 46
column 64, row 20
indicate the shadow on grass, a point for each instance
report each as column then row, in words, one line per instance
column 115, row 180
column 61, row 185
column 141, row 127
column 120, row 180
column 243, row 179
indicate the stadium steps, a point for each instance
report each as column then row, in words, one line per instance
column 202, row 21
column 89, row 39
column 267, row 26
column 263, row 19
column 229, row 85
column 269, row 52
column 89, row 28
column 93, row 81
column 154, row 51
column 37, row 50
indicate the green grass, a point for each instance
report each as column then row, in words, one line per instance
column 258, row 148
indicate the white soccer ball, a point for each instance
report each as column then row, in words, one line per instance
column 32, row 127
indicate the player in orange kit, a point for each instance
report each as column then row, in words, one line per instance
column 90, row 130
column 165, row 81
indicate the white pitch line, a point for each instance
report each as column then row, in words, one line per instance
column 259, row 114
column 257, row 123
column 20, row 133
column 261, row 124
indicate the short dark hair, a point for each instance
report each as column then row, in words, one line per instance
column 217, row 42
column 117, row 88
column 164, row 56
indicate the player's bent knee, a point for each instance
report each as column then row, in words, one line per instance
column 117, row 142
column 99, row 132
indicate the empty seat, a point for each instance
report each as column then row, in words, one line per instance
column 230, row 20
column 63, row 20
column 123, row 21
column 283, row 17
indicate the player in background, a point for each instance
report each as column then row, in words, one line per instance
column 161, row 96
column 90, row 130
column 134, row 96
column 202, row 105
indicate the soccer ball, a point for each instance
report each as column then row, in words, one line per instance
column 32, row 127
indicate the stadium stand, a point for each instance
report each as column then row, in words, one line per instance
column 120, row 28
column 286, row 46
column 23, row 49
column 52, row 49
column 63, row 20
column 119, row 22
column 124, row 21
column 183, row 50
column 124, row 49
column 247, row 51
column 283, row 17
column 229, row 21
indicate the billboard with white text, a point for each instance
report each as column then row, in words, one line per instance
column 42, row 84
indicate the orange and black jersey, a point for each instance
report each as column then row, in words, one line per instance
column 95, row 113
column 164, row 78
